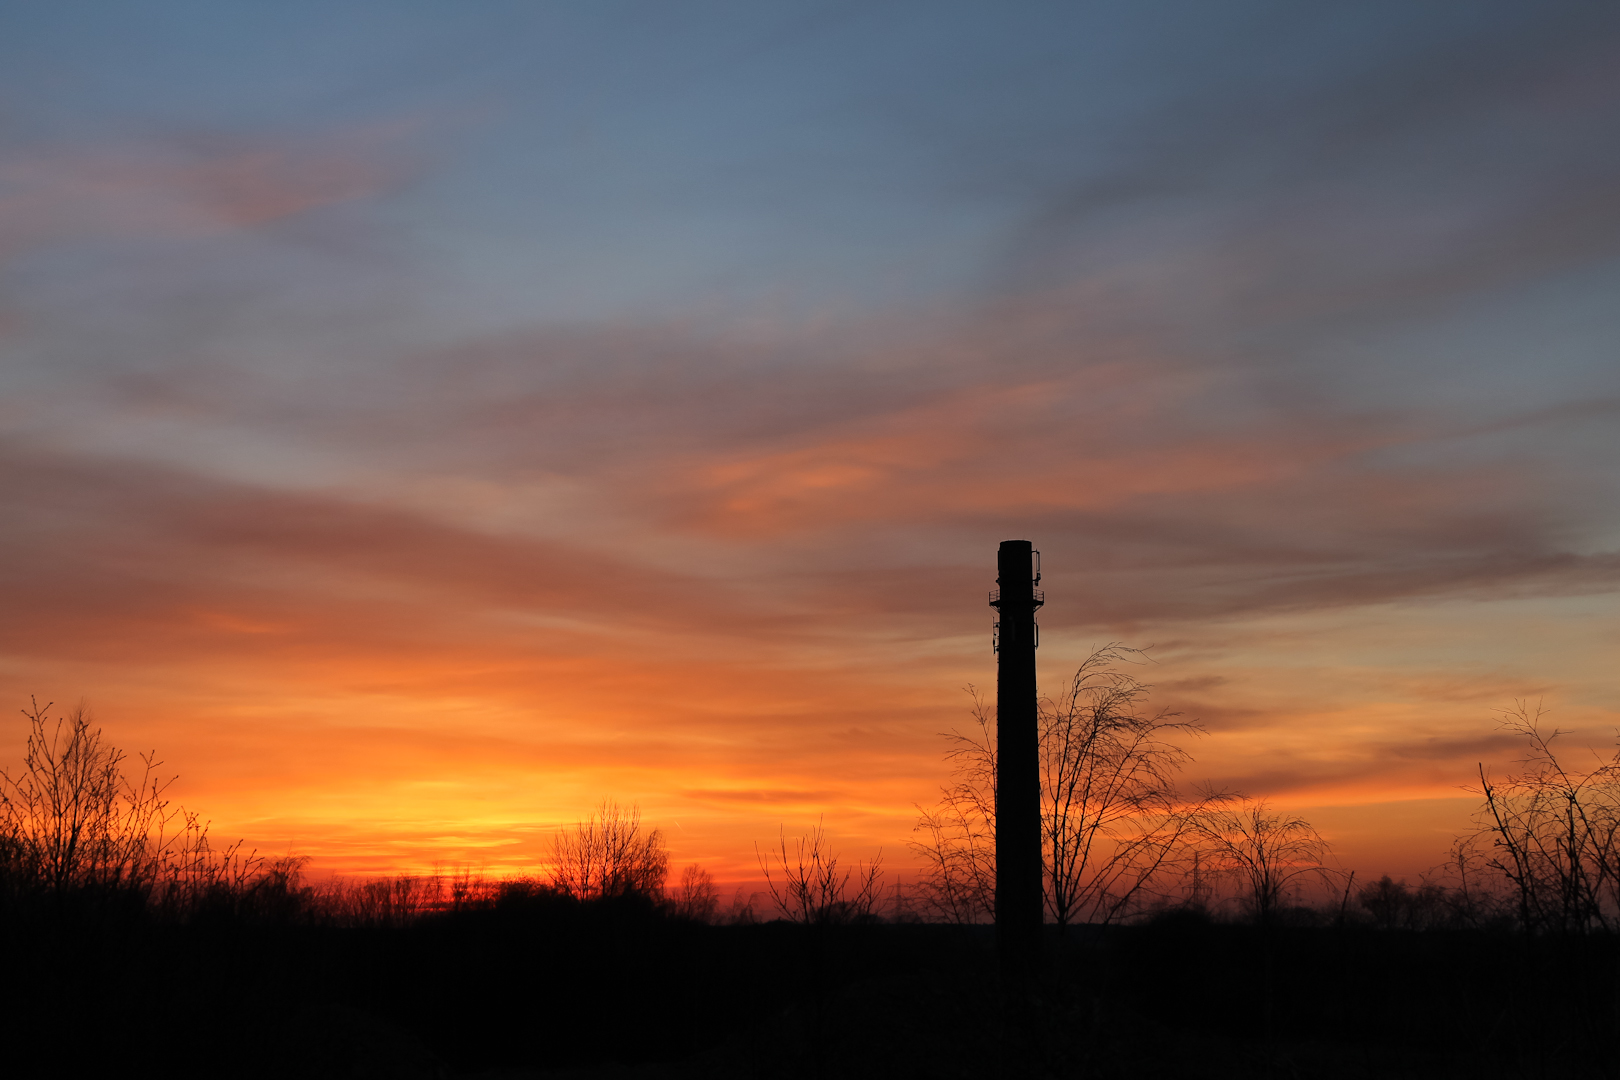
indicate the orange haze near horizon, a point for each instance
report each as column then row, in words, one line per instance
column 386, row 689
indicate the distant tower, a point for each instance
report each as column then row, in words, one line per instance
column 1019, row 908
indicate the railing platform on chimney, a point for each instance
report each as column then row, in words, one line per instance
column 1039, row 594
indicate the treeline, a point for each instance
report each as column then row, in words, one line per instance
column 1123, row 841
column 134, row 943
column 83, row 825
column 84, row 829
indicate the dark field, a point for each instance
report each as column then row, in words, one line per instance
column 540, row 985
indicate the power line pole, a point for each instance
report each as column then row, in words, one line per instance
column 1019, row 907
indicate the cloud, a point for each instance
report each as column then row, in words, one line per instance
column 1364, row 769
column 189, row 188
column 766, row 796
column 1160, row 488
column 140, row 557
column 1453, row 166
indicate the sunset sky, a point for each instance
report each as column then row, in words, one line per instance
column 421, row 421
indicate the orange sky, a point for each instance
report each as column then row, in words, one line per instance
column 385, row 689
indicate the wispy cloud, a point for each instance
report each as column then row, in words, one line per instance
column 189, row 187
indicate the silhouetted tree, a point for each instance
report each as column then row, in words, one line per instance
column 741, row 911
column 1260, row 851
column 1395, row 905
column 807, row 886
column 696, row 896
column 958, row 882
column 381, row 901
column 1111, row 817
column 72, row 819
column 610, row 855
column 1110, row 812
column 1554, row 833
column 1472, row 892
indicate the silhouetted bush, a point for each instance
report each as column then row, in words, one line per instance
column 807, row 886
column 1394, row 905
column 1552, row 833
column 610, row 854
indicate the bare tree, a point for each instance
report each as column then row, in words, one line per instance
column 1110, row 811
column 72, row 819
column 807, row 886
column 1261, row 851
column 958, row 882
column 1111, row 817
column 192, row 871
column 696, row 897
column 1472, row 892
column 610, row 855
column 382, row 901
column 741, row 911
column 1395, row 905
column 1554, row 833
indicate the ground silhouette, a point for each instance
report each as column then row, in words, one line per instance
column 538, row 983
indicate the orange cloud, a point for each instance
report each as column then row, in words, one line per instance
column 180, row 190
column 746, row 623
column 989, row 450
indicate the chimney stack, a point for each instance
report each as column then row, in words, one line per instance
column 1019, row 906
